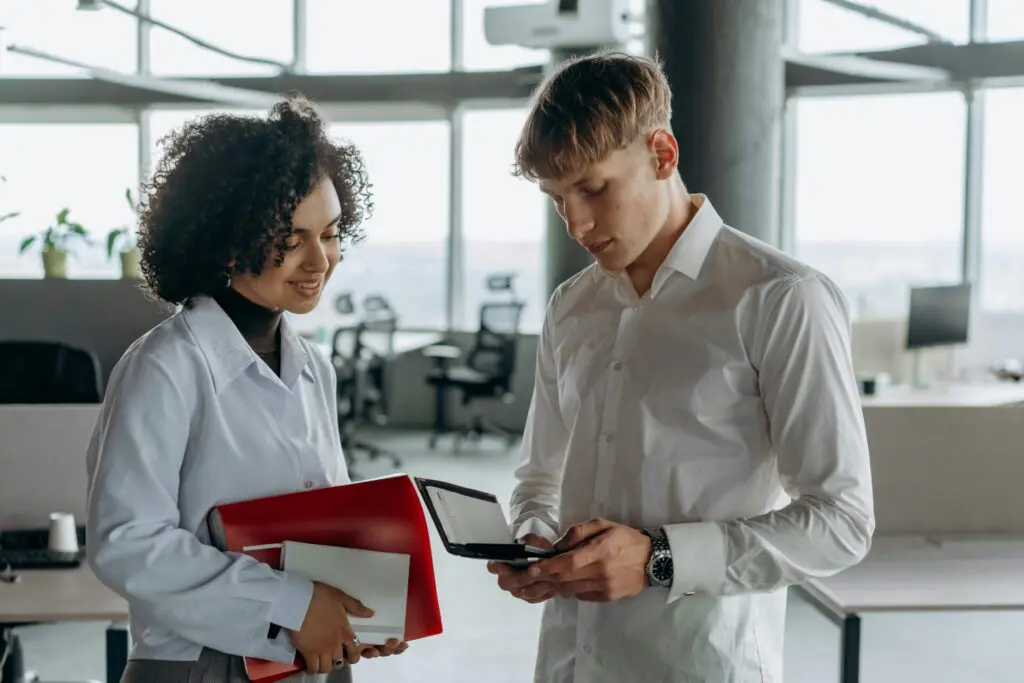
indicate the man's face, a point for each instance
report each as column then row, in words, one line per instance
column 616, row 207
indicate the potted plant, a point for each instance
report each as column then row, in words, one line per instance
column 56, row 243
column 130, row 255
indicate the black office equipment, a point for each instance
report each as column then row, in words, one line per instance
column 939, row 316
column 489, row 368
column 469, row 523
column 48, row 372
column 361, row 356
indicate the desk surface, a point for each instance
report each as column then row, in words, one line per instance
column 403, row 342
column 914, row 573
column 60, row 595
column 980, row 395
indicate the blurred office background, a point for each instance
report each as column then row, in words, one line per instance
column 878, row 140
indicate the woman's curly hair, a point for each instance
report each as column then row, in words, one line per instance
column 223, row 195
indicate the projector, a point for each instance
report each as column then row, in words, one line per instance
column 559, row 24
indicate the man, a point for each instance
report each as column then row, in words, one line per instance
column 695, row 441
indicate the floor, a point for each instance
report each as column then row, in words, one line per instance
column 489, row 636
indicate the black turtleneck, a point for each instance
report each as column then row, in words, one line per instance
column 258, row 325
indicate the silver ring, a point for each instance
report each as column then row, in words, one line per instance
column 355, row 641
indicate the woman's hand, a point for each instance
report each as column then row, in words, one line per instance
column 392, row 647
column 326, row 635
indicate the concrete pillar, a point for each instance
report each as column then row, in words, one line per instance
column 724, row 62
column 564, row 256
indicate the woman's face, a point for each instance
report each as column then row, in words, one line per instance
column 314, row 249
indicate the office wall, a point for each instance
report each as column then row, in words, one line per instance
column 103, row 316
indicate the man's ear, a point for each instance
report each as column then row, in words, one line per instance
column 665, row 151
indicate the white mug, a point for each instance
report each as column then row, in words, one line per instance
column 63, row 534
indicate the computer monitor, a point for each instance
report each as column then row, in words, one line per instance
column 939, row 316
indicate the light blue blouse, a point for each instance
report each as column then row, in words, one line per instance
column 193, row 418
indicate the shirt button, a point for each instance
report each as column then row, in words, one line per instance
column 587, row 649
column 617, row 365
column 307, row 485
column 609, row 437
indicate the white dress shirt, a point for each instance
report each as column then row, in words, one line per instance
column 193, row 418
column 721, row 405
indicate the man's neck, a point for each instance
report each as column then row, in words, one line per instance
column 257, row 324
column 681, row 211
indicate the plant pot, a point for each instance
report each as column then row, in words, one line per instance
column 55, row 264
column 131, row 268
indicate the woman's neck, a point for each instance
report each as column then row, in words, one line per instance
column 257, row 324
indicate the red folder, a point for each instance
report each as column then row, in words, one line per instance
column 382, row 514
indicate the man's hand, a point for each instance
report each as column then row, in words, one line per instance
column 517, row 582
column 326, row 634
column 603, row 562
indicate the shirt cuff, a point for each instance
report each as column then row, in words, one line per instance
column 535, row 525
column 698, row 558
column 289, row 610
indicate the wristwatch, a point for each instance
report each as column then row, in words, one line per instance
column 659, row 568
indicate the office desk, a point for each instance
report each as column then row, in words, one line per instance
column 402, row 343
column 953, row 395
column 920, row 573
column 69, row 595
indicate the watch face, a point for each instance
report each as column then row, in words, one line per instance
column 662, row 569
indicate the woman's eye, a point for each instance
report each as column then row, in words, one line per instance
column 292, row 242
column 332, row 236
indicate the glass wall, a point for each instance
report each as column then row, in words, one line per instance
column 880, row 194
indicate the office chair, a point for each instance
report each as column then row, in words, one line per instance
column 360, row 356
column 48, row 372
column 487, row 374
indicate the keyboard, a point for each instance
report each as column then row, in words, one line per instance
column 38, row 558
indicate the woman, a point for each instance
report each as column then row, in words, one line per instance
column 242, row 220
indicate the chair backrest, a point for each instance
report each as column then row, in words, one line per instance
column 48, row 372
column 494, row 352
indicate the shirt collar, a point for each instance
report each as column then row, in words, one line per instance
column 688, row 254
column 227, row 353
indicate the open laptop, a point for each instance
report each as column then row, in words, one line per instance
column 472, row 524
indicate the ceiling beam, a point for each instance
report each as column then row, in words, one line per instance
column 942, row 65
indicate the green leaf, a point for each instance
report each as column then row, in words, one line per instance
column 77, row 229
column 13, row 214
column 62, row 217
column 111, row 241
column 26, row 243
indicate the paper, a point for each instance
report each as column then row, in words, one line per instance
column 466, row 519
column 378, row 580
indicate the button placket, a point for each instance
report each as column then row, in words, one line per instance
column 610, row 414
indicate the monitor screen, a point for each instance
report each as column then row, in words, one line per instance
column 939, row 316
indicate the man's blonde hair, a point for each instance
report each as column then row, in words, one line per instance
column 589, row 107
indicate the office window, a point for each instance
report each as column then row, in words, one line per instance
column 1005, row 20
column 405, row 253
column 1002, row 226
column 824, row 27
column 84, row 167
column 879, row 194
column 105, row 38
column 503, row 217
column 232, row 25
column 164, row 121
column 383, row 36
